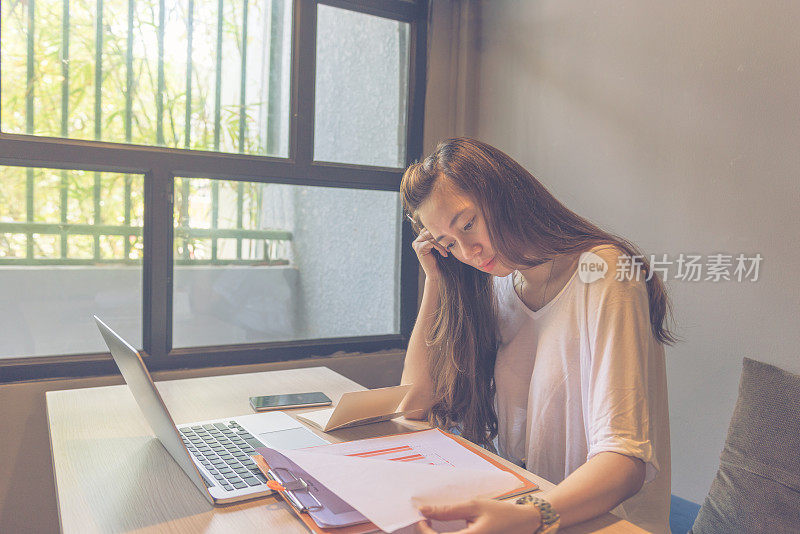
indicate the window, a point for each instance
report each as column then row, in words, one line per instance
column 360, row 104
column 217, row 179
column 259, row 262
column 70, row 247
column 201, row 74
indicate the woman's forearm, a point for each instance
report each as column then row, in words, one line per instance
column 596, row 487
column 415, row 367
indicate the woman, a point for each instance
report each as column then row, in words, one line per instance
column 524, row 339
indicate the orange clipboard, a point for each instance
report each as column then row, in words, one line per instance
column 361, row 528
column 368, row 527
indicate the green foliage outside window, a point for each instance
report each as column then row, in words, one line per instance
column 123, row 71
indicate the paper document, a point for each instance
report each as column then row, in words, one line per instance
column 385, row 479
column 359, row 408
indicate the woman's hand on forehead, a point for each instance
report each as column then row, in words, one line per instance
column 428, row 236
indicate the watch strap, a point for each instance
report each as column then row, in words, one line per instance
column 550, row 518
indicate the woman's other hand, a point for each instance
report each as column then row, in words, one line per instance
column 484, row 516
column 424, row 246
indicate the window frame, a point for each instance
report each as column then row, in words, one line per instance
column 160, row 166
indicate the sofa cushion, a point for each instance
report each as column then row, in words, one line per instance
column 757, row 486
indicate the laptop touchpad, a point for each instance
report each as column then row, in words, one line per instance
column 293, row 438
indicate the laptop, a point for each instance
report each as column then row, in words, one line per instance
column 214, row 454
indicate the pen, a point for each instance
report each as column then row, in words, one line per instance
column 275, row 484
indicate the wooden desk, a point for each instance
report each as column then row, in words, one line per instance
column 113, row 475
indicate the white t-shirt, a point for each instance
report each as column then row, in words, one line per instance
column 584, row 375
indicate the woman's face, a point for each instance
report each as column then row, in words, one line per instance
column 456, row 222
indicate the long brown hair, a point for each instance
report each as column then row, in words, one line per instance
column 527, row 225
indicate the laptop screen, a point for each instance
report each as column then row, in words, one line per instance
column 150, row 402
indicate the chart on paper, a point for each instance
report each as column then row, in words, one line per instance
column 425, row 447
column 404, row 453
column 364, row 472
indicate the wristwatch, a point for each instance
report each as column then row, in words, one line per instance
column 550, row 518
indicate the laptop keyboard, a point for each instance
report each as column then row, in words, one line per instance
column 225, row 450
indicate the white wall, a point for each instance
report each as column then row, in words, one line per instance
column 675, row 124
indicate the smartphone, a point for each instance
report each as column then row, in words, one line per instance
column 290, row 400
